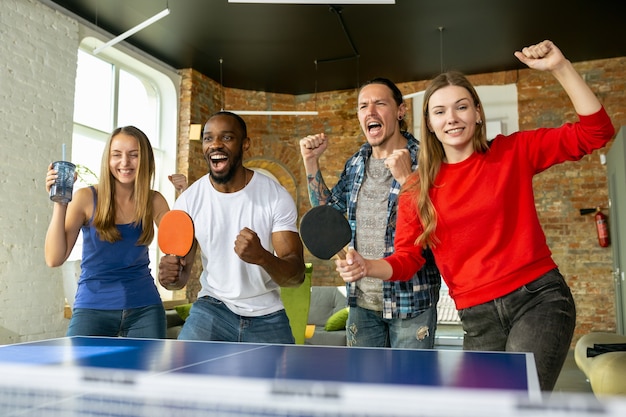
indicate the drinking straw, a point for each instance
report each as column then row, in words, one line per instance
column 63, row 152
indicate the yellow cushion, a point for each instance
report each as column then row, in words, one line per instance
column 605, row 371
column 337, row 321
column 310, row 331
column 607, row 374
column 587, row 341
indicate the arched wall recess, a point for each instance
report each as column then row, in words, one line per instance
column 278, row 171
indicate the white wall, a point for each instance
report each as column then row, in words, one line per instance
column 37, row 71
column 38, row 57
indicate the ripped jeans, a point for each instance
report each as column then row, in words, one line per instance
column 538, row 317
column 367, row 328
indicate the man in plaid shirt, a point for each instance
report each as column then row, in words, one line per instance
column 382, row 314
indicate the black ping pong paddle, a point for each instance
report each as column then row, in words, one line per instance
column 325, row 232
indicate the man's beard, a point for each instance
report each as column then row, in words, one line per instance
column 228, row 175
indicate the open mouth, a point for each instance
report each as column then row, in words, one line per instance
column 218, row 161
column 374, row 127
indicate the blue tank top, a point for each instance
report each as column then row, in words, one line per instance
column 115, row 276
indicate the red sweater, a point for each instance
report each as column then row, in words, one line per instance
column 490, row 239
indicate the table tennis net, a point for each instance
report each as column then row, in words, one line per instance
column 52, row 392
column 44, row 391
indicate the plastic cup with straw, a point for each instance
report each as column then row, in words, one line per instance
column 62, row 189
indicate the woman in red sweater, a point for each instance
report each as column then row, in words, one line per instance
column 471, row 201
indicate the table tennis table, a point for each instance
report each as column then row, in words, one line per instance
column 145, row 377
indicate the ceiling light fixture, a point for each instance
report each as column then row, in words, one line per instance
column 339, row 12
column 273, row 113
column 132, row 31
column 315, row 1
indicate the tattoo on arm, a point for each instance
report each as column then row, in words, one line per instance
column 318, row 191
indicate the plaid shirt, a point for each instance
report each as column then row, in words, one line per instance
column 400, row 299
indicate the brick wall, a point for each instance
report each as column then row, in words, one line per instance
column 560, row 191
column 37, row 72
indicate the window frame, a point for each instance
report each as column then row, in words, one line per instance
column 165, row 83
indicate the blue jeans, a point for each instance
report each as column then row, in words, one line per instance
column 211, row 319
column 538, row 317
column 143, row 322
column 367, row 328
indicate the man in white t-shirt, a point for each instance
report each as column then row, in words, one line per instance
column 245, row 226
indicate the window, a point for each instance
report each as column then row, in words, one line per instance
column 114, row 89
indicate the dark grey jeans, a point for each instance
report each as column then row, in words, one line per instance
column 539, row 317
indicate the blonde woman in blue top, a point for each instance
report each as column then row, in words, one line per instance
column 116, row 293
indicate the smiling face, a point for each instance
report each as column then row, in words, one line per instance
column 124, row 158
column 452, row 117
column 223, row 145
column 379, row 114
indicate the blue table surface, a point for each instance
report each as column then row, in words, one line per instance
column 437, row 368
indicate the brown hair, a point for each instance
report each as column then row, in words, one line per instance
column 104, row 218
column 395, row 93
column 431, row 154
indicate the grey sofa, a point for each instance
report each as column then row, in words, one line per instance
column 326, row 301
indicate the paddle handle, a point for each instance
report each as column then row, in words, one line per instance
column 341, row 254
column 176, row 285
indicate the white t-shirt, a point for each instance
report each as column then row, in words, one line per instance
column 263, row 206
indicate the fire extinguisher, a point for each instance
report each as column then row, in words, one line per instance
column 602, row 227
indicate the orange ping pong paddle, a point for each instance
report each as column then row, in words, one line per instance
column 176, row 234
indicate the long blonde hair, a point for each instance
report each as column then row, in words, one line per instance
column 432, row 154
column 104, row 218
